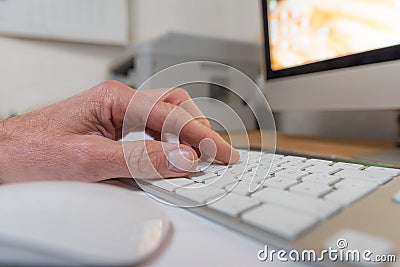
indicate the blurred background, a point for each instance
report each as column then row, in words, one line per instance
column 52, row 49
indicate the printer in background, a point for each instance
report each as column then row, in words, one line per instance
column 135, row 67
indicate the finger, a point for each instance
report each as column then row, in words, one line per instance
column 153, row 159
column 164, row 117
column 179, row 97
column 139, row 159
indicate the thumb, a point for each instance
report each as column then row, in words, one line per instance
column 153, row 159
column 108, row 159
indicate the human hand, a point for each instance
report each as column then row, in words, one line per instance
column 75, row 139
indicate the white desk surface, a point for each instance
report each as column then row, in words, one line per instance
column 195, row 241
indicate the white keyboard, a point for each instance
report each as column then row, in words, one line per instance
column 281, row 195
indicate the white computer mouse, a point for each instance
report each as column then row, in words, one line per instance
column 77, row 224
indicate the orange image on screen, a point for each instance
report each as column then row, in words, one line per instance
column 308, row 31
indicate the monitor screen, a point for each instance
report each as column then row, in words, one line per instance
column 304, row 36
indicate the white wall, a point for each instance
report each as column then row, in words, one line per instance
column 232, row 19
column 35, row 73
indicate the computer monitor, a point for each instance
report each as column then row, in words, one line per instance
column 332, row 55
column 325, row 55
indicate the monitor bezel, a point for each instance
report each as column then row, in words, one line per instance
column 364, row 58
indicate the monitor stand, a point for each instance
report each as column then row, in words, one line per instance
column 388, row 157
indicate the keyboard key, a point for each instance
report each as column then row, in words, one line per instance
column 311, row 189
column 323, row 169
column 280, row 183
column 294, row 158
column 267, row 162
column 201, row 194
column 279, row 162
column 236, row 170
column 234, row 173
column 394, row 172
column 267, row 157
column 254, row 162
column 375, row 177
column 171, row 184
column 319, row 162
column 278, row 156
column 251, row 155
column 357, row 173
column 268, row 168
column 233, row 204
column 243, row 188
column 221, row 181
column 243, row 152
column 345, row 196
column 316, row 207
column 296, row 165
column 270, row 156
column 201, row 177
column 348, row 166
column 243, row 166
column 284, row 223
column 214, row 168
column 321, row 179
column 253, row 177
column 202, row 165
column 292, row 174
column 356, row 184
column 255, row 154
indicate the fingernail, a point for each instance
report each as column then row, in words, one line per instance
column 181, row 160
column 235, row 156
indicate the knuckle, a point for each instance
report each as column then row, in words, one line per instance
column 160, row 111
column 152, row 152
column 109, row 88
column 147, row 159
column 182, row 93
column 108, row 97
column 112, row 84
column 98, row 96
column 176, row 119
column 206, row 123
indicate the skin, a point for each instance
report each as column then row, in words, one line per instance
column 75, row 139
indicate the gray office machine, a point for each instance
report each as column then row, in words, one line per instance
column 148, row 58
